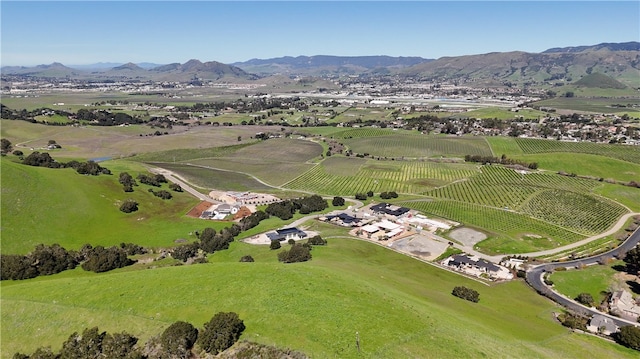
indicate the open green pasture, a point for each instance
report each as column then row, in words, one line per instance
column 273, row 173
column 274, row 161
column 52, row 119
column 603, row 161
column 598, row 103
column 43, row 205
column 99, row 141
column 627, row 196
column 370, row 132
column 397, row 145
column 400, row 307
column 501, row 145
column 181, row 155
column 332, row 176
column 209, row 178
column 513, row 232
column 584, row 164
column 502, row 113
column 621, row 152
column 364, row 114
column 594, row 280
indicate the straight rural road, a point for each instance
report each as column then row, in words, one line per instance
column 176, row 179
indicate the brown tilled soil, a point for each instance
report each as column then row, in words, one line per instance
column 196, row 211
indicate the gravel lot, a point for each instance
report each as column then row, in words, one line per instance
column 420, row 246
column 467, row 236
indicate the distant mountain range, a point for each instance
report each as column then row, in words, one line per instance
column 192, row 70
column 323, row 64
column 562, row 65
column 620, row 61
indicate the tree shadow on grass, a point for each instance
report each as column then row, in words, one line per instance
column 634, row 286
column 619, row 267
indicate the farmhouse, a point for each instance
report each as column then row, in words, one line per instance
column 476, row 266
column 286, row 233
column 422, row 220
column 389, row 210
column 622, row 304
column 380, row 230
column 242, row 198
column 226, row 209
column 342, row 219
column 602, row 324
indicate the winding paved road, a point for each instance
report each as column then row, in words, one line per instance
column 535, row 278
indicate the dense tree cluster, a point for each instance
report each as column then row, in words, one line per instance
column 501, row 160
column 337, row 201
column 221, row 332
column 43, row 159
column 132, row 249
column 585, row 298
column 100, row 259
column 91, row 344
column 127, row 181
column 317, row 241
column 88, row 168
column 632, row 260
column 285, row 209
column 361, row 196
column 297, row 253
column 5, row 146
column 275, row 245
column 252, row 220
column 129, row 206
column 176, row 341
column 47, row 260
column 573, row 321
column 185, row 251
column 43, row 260
column 388, row 195
column 153, row 180
column 161, row 193
column 466, row 293
column 175, row 187
column 106, row 118
column 629, row 336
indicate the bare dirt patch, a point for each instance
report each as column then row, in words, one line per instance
column 196, row 211
column 420, row 246
column 467, row 236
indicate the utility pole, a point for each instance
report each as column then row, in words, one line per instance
column 358, row 342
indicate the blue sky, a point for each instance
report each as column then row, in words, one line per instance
column 84, row 32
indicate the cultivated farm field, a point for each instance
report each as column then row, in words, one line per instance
column 414, row 146
column 399, row 306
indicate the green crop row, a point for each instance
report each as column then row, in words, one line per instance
column 622, row 152
column 512, row 224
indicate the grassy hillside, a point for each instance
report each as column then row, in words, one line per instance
column 600, row 81
column 399, row 306
column 43, row 205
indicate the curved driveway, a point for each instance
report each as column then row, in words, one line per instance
column 535, row 278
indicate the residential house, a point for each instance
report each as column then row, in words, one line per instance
column 389, row 209
column 623, row 304
column 601, row 324
column 286, row 233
